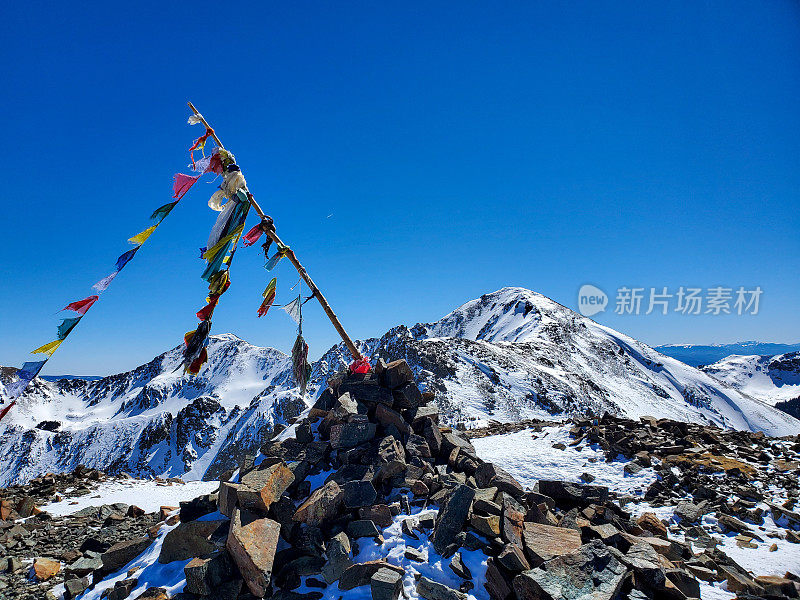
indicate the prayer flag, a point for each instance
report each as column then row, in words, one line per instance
column 81, row 306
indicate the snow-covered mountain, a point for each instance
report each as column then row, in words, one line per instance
column 698, row 354
column 507, row 355
column 774, row 380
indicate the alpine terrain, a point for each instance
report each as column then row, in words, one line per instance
column 506, row 356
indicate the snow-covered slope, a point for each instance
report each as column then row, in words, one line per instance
column 774, row 380
column 507, row 355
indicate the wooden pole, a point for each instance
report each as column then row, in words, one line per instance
column 291, row 256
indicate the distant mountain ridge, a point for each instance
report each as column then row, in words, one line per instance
column 698, row 354
column 508, row 355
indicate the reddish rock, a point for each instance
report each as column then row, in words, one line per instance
column 252, row 542
column 543, row 542
column 260, row 488
column 46, row 568
column 322, row 504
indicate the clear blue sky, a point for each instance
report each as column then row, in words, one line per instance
column 459, row 147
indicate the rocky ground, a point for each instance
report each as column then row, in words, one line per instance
column 367, row 496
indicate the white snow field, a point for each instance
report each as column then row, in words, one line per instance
column 149, row 495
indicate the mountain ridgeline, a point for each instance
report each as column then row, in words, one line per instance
column 509, row 355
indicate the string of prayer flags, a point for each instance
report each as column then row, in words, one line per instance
column 300, row 367
column 181, row 184
column 81, row 306
column 293, row 309
column 48, row 348
column 269, row 297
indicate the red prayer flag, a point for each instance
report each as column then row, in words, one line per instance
column 252, row 236
column 205, row 313
column 215, row 164
column 81, row 306
column 6, row 409
column 182, row 184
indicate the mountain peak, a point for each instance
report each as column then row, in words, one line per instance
column 510, row 314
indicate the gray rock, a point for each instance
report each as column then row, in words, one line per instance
column 451, row 518
column 386, row 584
column 431, row 590
column 338, row 551
column 189, row 540
column 362, row 528
column 573, row 493
column 591, row 573
column 205, row 575
column 350, row 435
column 396, row 374
column 121, row 553
column 358, row 494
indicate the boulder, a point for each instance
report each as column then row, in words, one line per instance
column 512, row 558
column 358, row 494
column 380, row 514
column 497, row 581
column 431, row 590
column 75, row 587
column 360, row 574
column 396, row 374
column 252, row 542
column 189, row 540
column 350, row 435
column 450, row 520
column 322, row 504
column 198, row 507
column 205, row 575
column 544, row 542
column 386, row 584
column 573, row 494
column 261, row 487
column 650, row 522
column 338, row 551
column 591, row 573
column 407, row 396
column 121, row 553
column 227, row 498
column 45, row 568
column 490, row 475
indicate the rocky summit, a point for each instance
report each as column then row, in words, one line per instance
column 367, row 493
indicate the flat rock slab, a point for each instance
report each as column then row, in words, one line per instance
column 543, row 542
column 46, row 568
column 431, row 590
column 121, row 553
column 361, row 573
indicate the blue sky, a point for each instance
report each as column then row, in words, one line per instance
column 457, row 149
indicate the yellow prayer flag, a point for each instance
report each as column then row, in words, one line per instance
column 141, row 238
column 212, row 252
column 48, row 348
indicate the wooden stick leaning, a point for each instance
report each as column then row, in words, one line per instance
column 291, row 256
